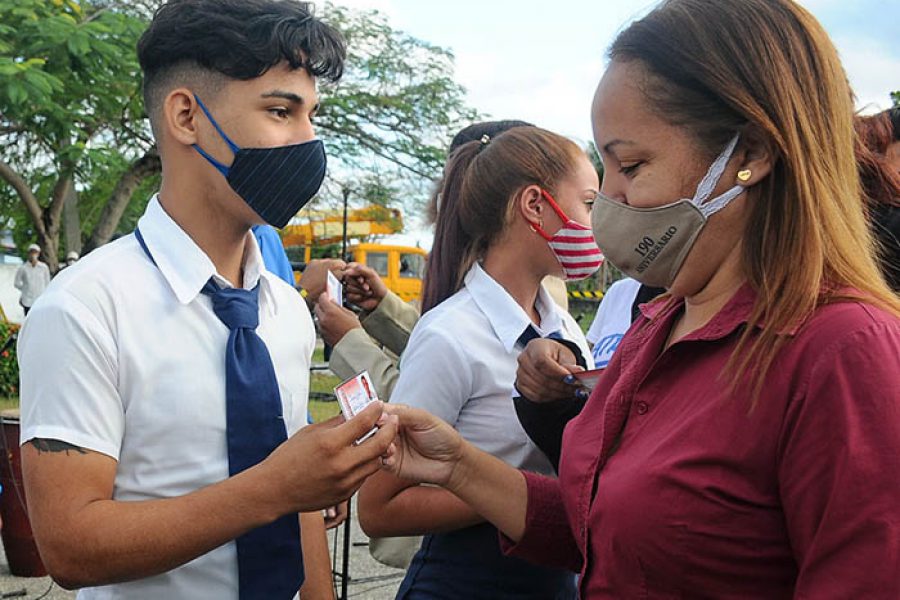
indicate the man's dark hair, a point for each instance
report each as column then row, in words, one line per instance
column 205, row 42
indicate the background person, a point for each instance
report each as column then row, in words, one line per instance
column 736, row 444
column 386, row 322
column 880, row 175
column 513, row 211
column 32, row 278
column 71, row 258
column 374, row 340
column 273, row 254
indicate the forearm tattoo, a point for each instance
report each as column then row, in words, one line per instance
column 47, row 445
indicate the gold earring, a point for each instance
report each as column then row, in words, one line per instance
column 744, row 175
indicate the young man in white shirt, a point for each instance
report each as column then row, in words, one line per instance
column 139, row 474
column 32, row 278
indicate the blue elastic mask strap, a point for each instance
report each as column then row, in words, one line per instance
column 234, row 147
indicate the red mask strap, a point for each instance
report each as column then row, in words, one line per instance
column 565, row 219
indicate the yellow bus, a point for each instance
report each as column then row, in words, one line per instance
column 401, row 267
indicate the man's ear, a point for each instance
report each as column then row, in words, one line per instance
column 530, row 206
column 179, row 116
column 756, row 157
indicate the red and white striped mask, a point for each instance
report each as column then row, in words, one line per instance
column 573, row 245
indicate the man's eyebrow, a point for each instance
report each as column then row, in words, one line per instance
column 289, row 96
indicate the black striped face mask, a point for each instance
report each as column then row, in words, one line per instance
column 275, row 182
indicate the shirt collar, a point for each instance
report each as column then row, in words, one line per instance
column 184, row 265
column 733, row 315
column 506, row 317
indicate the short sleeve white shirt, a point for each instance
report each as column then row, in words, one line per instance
column 612, row 320
column 32, row 280
column 127, row 359
column 460, row 365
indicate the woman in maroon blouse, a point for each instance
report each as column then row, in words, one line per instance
column 744, row 442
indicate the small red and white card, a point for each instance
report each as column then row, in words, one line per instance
column 354, row 395
column 588, row 378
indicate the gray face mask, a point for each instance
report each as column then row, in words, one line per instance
column 651, row 244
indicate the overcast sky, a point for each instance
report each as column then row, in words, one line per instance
column 540, row 61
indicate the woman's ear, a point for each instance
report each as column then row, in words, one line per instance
column 530, row 205
column 756, row 156
column 179, row 115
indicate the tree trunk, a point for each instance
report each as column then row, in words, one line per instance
column 46, row 222
column 49, row 250
column 72, row 222
column 147, row 165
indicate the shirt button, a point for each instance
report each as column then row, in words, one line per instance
column 642, row 408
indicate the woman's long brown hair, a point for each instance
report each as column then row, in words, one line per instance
column 477, row 191
column 721, row 66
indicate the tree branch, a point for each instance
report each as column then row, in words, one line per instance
column 147, row 165
column 53, row 213
column 376, row 148
column 25, row 194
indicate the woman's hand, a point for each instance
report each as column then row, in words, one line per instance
column 363, row 287
column 545, row 367
column 427, row 449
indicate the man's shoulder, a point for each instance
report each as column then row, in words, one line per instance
column 107, row 272
column 284, row 293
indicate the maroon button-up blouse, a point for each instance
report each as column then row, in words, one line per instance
column 671, row 488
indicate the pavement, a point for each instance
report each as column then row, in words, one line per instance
column 369, row 579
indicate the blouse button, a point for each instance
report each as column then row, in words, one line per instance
column 642, row 408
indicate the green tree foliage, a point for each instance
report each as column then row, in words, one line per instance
column 397, row 104
column 895, row 96
column 73, row 129
column 70, row 114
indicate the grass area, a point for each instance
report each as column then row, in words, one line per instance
column 6, row 403
column 318, row 356
column 322, row 383
column 322, row 411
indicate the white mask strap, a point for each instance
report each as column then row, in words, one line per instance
column 711, row 208
column 709, row 181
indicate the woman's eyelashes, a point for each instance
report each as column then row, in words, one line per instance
column 628, row 170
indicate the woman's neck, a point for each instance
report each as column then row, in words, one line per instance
column 507, row 267
column 700, row 308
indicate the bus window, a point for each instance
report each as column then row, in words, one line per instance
column 378, row 261
column 412, row 266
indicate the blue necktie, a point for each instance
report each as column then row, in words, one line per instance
column 270, row 563
column 531, row 333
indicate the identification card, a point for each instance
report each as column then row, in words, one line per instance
column 354, row 395
column 335, row 289
column 588, row 378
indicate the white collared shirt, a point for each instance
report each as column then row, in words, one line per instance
column 460, row 364
column 128, row 359
column 32, row 280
